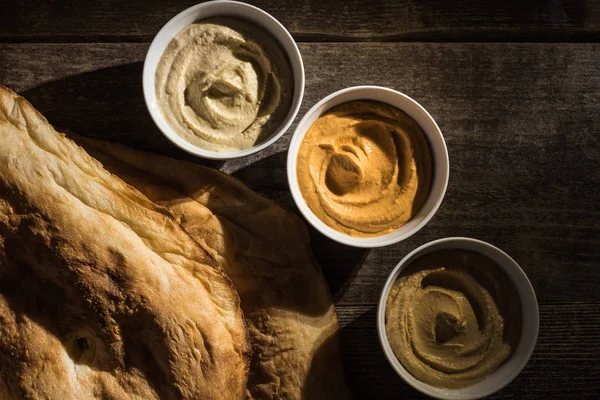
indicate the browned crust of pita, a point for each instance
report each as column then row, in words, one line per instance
column 265, row 250
column 83, row 255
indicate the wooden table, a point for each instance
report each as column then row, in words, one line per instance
column 514, row 87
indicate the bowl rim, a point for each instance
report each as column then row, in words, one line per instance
column 340, row 237
column 510, row 267
column 293, row 54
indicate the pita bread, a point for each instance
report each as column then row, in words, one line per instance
column 264, row 248
column 102, row 293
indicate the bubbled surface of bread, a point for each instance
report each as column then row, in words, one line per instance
column 264, row 248
column 103, row 294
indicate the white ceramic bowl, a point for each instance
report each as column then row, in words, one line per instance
column 529, row 332
column 224, row 9
column 437, row 145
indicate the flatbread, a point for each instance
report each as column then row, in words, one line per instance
column 102, row 293
column 265, row 250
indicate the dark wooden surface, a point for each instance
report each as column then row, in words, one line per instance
column 316, row 20
column 521, row 119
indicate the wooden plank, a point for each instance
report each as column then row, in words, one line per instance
column 521, row 121
column 564, row 364
column 315, row 20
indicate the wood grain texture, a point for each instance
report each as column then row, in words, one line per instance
column 564, row 363
column 316, row 20
column 521, row 121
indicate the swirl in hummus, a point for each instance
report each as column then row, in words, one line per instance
column 223, row 84
column 364, row 168
column 452, row 318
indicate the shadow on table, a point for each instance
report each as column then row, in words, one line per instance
column 105, row 104
column 340, row 263
column 368, row 372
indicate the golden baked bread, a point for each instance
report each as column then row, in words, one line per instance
column 265, row 250
column 102, row 293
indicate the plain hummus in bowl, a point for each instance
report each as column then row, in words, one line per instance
column 223, row 84
column 223, row 79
